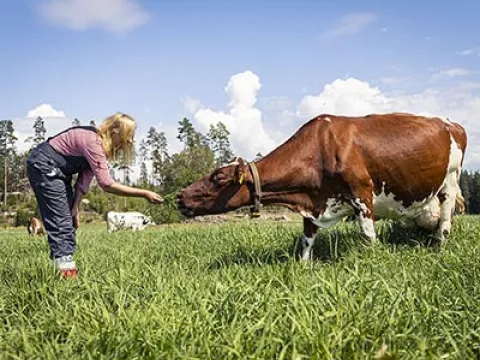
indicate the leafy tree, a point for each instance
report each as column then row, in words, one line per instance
column 76, row 122
column 92, row 123
column 189, row 165
column 18, row 172
column 192, row 163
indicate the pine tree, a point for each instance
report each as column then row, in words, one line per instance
column 76, row 122
column 143, row 151
column 7, row 153
column 39, row 131
column 157, row 143
column 475, row 194
column 219, row 143
column 189, row 136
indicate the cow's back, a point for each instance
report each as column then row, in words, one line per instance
column 404, row 154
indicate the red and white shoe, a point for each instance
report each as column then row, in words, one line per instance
column 72, row 273
column 66, row 266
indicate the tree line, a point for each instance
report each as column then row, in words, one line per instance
column 167, row 172
column 470, row 185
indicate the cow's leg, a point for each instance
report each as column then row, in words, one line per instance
column 447, row 199
column 308, row 238
column 363, row 206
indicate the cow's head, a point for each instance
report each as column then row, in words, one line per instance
column 227, row 188
column 147, row 220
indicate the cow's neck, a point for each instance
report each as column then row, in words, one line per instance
column 280, row 184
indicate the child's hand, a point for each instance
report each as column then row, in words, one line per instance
column 153, row 197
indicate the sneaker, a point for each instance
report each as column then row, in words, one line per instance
column 66, row 266
column 72, row 273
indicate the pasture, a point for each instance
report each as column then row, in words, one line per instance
column 236, row 291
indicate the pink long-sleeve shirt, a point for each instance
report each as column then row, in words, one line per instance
column 86, row 143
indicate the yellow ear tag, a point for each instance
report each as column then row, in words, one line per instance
column 240, row 180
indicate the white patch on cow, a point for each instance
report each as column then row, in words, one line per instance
column 368, row 228
column 450, row 189
column 326, row 118
column 366, row 223
column 307, row 245
column 335, row 211
column 423, row 212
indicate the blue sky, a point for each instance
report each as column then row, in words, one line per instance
column 162, row 60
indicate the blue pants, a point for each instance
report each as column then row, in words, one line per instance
column 54, row 194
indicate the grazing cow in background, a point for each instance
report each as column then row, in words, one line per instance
column 127, row 220
column 396, row 165
column 35, row 227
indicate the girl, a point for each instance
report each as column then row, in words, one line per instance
column 82, row 150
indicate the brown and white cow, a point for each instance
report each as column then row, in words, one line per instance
column 35, row 227
column 395, row 165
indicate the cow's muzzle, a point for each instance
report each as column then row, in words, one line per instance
column 184, row 210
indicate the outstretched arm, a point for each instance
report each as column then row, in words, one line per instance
column 125, row 190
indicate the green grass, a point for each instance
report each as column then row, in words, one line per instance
column 237, row 291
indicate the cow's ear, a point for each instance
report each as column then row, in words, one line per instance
column 240, row 171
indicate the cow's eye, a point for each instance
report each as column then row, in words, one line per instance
column 218, row 179
column 214, row 179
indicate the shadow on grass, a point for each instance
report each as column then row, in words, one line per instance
column 330, row 245
column 397, row 233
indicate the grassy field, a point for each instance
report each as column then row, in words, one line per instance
column 236, row 291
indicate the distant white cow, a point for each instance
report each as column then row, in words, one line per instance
column 127, row 220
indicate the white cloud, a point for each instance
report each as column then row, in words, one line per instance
column 395, row 68
column 242, row 119
column 190, row 104
column 469, row 85
column 55, row 121
column 350, row 24
column 115, row 16
column 45, row 111
column 448, row 73
column 395, row 79
column 347, row 97
column 277, row 103
column 466, row 52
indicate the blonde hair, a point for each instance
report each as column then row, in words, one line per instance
column 125, row 126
